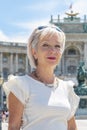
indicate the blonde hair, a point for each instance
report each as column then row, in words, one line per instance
column 38, row 34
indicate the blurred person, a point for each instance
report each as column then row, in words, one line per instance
column 7, row 114
column 3, row 116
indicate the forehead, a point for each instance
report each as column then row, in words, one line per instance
column 51, row 36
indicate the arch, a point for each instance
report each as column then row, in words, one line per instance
column 74, row 45
column 71, row 51
column 71, row 60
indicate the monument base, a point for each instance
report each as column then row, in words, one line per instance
column 81, row 113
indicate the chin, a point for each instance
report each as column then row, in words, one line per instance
column 52, row 64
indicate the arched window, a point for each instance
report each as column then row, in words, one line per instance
column 71, row 52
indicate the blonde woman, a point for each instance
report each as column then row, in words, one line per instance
column 40, row 100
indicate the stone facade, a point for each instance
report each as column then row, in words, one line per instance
column 76, row 44
column 13, row 59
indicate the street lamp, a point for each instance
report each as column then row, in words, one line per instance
column 1, row 82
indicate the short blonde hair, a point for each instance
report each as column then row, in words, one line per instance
column 38, row 34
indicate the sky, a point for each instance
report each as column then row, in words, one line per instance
column 18, row 18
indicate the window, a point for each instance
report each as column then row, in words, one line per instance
column 5, row 72
column 5, row 59
column 21, row 71
column 20, row 60
column 71, row 69
column 71, row 52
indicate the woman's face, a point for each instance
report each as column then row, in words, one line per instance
column 48, row 51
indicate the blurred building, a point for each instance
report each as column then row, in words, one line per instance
column 13, row 60
column 75, row 29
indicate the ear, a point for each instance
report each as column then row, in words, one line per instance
column 34, row 53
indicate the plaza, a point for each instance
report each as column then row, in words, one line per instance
column 81, row 124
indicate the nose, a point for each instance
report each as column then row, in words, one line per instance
column 51, row 48
column 54, row 49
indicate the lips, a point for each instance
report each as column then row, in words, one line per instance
column 51, row 58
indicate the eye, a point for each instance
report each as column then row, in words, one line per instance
column 45, row 45
column 57, row 46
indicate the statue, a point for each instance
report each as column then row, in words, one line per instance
column 72, row 14
column 81, row 89
column 81, row 75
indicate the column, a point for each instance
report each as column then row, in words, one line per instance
column 26, row 64
column 1, row 64
column 11, row 63
column 16, row 63
column 61, row 72
column 62, row 65
column 2, row 92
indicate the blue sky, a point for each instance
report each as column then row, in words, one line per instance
column 19, row 17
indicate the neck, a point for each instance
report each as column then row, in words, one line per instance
column 44, row 75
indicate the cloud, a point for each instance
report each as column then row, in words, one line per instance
column 32, row 24
column 28, row 27
column 78, row 6
column 81, row 6
column 54, row 6
column 3, row 37
column 21, row 37
column 44, row 6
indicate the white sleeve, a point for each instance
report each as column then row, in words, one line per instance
column 16, row 86
column 73, row 99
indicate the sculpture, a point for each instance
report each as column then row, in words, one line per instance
column 81, row 75
column 81, row 89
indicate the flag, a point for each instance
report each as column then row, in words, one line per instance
column 70, row 7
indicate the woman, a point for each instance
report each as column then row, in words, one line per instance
column 42, row 101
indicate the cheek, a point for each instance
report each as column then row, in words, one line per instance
column 39, row 55
column 59, row 56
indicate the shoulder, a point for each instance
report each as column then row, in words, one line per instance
column 18, row 86
column 13, row 77
column 69, row 84
column 14, row 82
column 18, row 79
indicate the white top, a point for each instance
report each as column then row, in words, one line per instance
column 45, row 108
